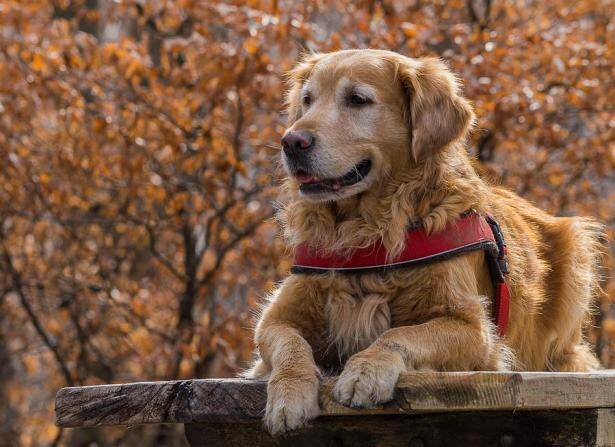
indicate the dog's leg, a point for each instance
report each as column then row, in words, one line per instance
column 579, row 358
column 448, row 343
column 292, row 391
column 292, row 317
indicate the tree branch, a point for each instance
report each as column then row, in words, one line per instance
column 38, row 326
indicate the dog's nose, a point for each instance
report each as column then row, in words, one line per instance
column 297, row 141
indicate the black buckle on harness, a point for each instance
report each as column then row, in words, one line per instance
column 499, row 240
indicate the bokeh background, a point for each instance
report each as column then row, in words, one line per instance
column 139, row 160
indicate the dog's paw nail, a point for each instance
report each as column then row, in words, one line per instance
column 342, row 391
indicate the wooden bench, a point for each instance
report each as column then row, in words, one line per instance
column 429, row 409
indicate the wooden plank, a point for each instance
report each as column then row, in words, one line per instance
column 210, row 400
column 605, row 431
column 571, row 428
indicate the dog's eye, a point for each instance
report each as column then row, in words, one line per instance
column 358, row 100
column 307, row 100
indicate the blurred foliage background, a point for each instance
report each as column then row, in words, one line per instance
column 138, row 166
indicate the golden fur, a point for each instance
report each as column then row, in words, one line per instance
column 370, row 328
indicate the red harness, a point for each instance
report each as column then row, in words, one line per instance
column 470, row 232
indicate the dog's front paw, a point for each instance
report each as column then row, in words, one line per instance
column 291, row 402
column 368, row 380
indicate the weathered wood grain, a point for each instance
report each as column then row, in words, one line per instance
column 605, row 427
column 568, row 428
column 228, row 400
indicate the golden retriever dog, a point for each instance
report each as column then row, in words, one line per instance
column 375, row 142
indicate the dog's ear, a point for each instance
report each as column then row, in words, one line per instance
column 295, row 79
column 437, row 113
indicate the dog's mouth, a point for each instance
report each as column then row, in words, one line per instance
column 311, row 184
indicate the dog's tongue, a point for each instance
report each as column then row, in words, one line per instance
column 304, row 177
column 307, row 179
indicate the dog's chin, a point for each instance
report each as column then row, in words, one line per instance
column 326, row 189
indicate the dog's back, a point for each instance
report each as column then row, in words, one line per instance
column 556, row 284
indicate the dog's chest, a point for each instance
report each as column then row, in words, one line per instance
column 357, row 310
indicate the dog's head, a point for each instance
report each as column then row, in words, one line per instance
column 357, row 117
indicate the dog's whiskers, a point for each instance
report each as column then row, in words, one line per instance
column 269, row 146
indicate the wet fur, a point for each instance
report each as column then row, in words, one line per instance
column 370, row 328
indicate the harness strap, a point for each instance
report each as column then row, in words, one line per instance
column 470, row 232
